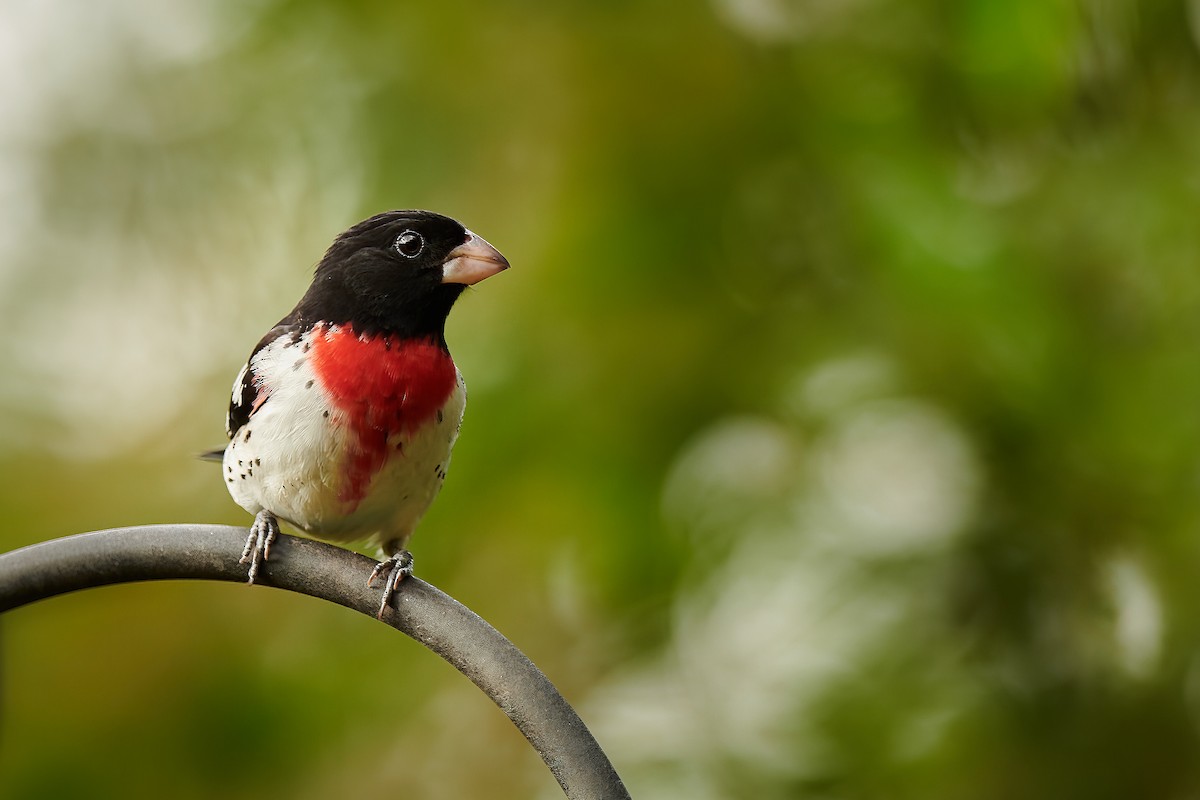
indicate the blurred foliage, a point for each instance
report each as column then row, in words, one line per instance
column 834, row 435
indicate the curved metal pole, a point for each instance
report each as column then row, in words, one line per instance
column 433, row 618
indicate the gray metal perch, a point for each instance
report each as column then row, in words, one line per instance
column 433, row 618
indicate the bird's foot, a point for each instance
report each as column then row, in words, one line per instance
column 258, row 543
column 397, row 567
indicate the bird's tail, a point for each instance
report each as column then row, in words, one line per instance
column 212, row 455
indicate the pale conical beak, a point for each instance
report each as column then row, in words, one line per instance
column 472, row 261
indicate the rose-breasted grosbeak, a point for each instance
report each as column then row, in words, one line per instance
column 343, row 419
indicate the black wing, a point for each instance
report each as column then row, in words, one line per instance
column 248, row 392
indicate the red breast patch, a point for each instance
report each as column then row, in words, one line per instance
column 383, row 385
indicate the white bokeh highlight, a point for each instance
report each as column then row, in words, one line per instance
column 898, row 476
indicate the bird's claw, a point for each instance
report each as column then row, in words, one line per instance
column 397, row 567
column 258, row 543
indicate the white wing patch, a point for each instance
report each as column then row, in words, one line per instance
column 236, row 398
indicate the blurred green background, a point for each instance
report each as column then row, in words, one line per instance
column 833, row 436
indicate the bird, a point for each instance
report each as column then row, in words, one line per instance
column 342, row 421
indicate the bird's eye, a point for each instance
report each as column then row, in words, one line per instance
column 409, row 244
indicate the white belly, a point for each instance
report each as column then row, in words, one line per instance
column 291, row 459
